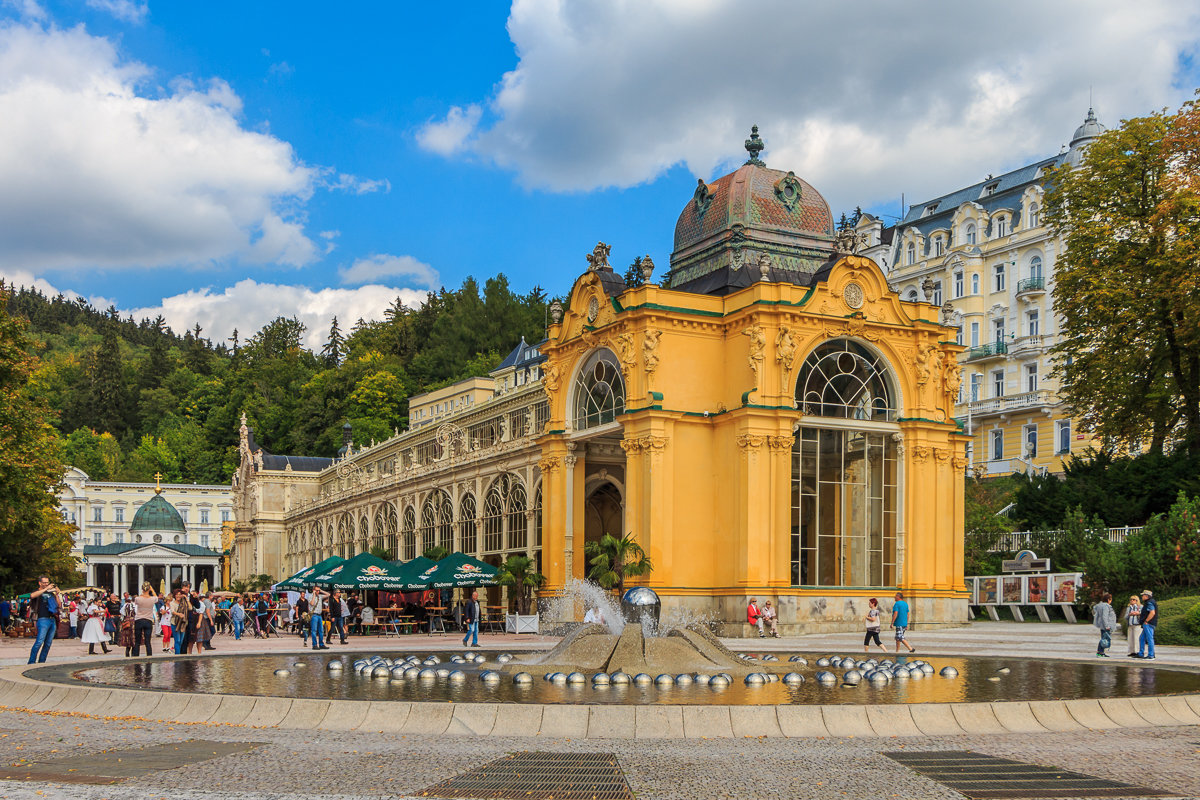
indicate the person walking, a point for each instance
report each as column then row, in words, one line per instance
column 900, row 622
column 164, row 623
column 237, row 617
column 73, row 616
column 471, row 620
column 1149, row 618
column 1104, row 618
column 45, row 607
column 179, row 621
column 145, row 614
column 874, row 622
column 316, row 607
column 1133, row 624
column 93, row 630
column 336, row 617
column 125, row 625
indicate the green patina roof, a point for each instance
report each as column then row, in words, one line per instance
column 157, row 515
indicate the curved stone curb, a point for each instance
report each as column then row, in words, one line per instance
column 601, row 721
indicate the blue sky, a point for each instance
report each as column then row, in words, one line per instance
column 224, row 163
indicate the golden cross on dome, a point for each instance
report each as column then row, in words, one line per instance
column 157, row 478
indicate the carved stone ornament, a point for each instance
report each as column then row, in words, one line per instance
column 644, row 444
column 847, row 242
column 625, row 352
column 703, row 197
column 921, row 452
column 960, row 463
column 929, row 361
column 593, row 310
column 785, row 349
column 650, row 349
column 781, row 442
column 789, row 190
column 556, row 312
column 598, row 258
column 751, row 441
column 764, row 266
column 758, row 343
column 452, row 439
column 647, row 268
column 548, row 465
column 550, row 378
column 853, row 295
column 942, row 454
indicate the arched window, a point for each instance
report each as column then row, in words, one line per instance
column 1001, row 228
column 1035, row 267
column 467, row 531
column 345, row 531
column 437, row 522
column 910, row 254
column 364, row 534
column 938, row 246
column 504, row 515
column 518, row 525
column 841, row 378
column 1035, row 215
column 969, row 235
column 975, row 283
column 599, row 391
column 377, row 531
column 389, row 531
column 409, row 534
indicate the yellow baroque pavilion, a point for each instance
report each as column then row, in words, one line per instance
column 769, row 419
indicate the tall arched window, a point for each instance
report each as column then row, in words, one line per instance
column 841, row 378
column 504, row 515
column 974, row 283
column 466, row 525
column 844, row 475
column 1035, row 215
column 518, row 525
column 910, row 254
column 345, row 531
column 938, row 246
column 1035, row 267
column 969, row 235
column 409, row 534
column 437, row 521
column 390, row 527
column 599, row 390
column 364, row 534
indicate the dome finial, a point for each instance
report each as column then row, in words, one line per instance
column 754, row 146
column 157, row 487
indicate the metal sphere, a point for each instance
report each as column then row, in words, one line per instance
column 283, row 672
column 878, row 676
column 993, row 679
column 549, row 676
column 456, row 659
column 397, row 671
column 427, row 674
column 335, row 666
column 381, row 671
column 718, row 682
column 822, row 662
column 664, row 680
column 523, row 679
column 755, row 679
column 457, row 676
column 949, row 672
column 793, row 679
column 411, row 672
column 559, row 679
column 642, row 679
column 504, row 658
column 726, row 676
column 490, row 676
column 1003, row 671
column 684, row 680
column 601, row 679
column 480, row 659
column 901, row 674
column 801, row 660
column 620, row 678
column 442, row 672
column 916, row 674
column 770, row 657
column 824, row 676
column 576, row 677
column 639, row 603
column 702, row 679
column 852, row 677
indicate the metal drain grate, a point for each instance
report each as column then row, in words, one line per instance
column 984, row 777
column 536, row 775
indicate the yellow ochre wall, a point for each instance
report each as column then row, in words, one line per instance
column 708, row 435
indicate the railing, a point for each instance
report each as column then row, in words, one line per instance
column 1012, row 402
column 1020, row 540
column 987, row 351
column 1031, row 285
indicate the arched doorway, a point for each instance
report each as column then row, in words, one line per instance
column 604, row 512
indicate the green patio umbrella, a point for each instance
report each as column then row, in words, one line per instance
column 304, row 577
column 364, row 571
column 411, row 569
column 455, row 571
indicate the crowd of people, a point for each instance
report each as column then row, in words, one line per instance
column 1141, row 620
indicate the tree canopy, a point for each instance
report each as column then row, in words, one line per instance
column 1128, row 283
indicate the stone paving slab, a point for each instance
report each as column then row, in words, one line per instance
column 801, row 721
column 892, row 720
column 385, row 717
column 935, row 719
column 847, row 721
column 606, row 722
column 707, row 722
column 755, row 721
column 1017, row 718
column 657, row 722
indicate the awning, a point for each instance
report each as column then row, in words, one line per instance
column 455, row 571
column 364, row 571
column 304, row 577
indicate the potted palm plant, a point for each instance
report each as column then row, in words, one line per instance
column 614, row 559
column 518, row 572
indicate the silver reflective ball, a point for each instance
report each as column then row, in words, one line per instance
column 664, row 680
column 755, row 679
column 490, row 676
column 358, row 662
column 397, row 671
column 993, row 679
column 901, row 674
column 822, row 662
column 468, row 655
column 928, row 669
column 381, row 671
column 577, row 677
column 283, row 672
column 523, row 679
column 949, row 672
column 684, row 680
column 335, row 666
column 480, row 659
column 916, row 674
column 801, row 660
column 640, row 602
column 1003, row 671
column 299, row 663
column 642, row 679
column 559, row 679
column 824, row 676
column 702, row 679
column 620, row 678
column 442, row 672
column 726, row 676
column 793, row 679
column 718, row 682
column 550, row 676
column 456, row 659
column 878, row 676
column 770, row 657
column 504, row 658
column 457, row 676
column 851, row 677
column 411, row 672
column 601, row 678
column 427, row 674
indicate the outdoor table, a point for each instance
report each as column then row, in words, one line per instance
column 436, row 613
column 495, row 617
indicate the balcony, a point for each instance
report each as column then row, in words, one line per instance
column 1031, row 286
column 987, row 351
column 1028, row 344
column 1010, row 403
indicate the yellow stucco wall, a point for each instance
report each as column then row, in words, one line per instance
column 708, row 435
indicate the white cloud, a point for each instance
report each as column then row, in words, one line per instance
column 26, row 9
column 381, row 265
column 248, row 305
column 126, row 10
column 100, row 168
column 450, row 135
column 921, row 99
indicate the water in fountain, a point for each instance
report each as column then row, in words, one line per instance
column 577, row 594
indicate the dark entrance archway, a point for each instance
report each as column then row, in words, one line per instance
column 604, row 512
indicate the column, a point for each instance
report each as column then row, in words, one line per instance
column 141, row 577
column 91, row 573
column 570, row 461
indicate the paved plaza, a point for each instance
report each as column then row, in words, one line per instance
column 51, row 754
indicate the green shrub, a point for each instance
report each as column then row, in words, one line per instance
column 1192, row 619
column 1177, row 616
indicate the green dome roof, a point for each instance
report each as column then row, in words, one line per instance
column 157, row 515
